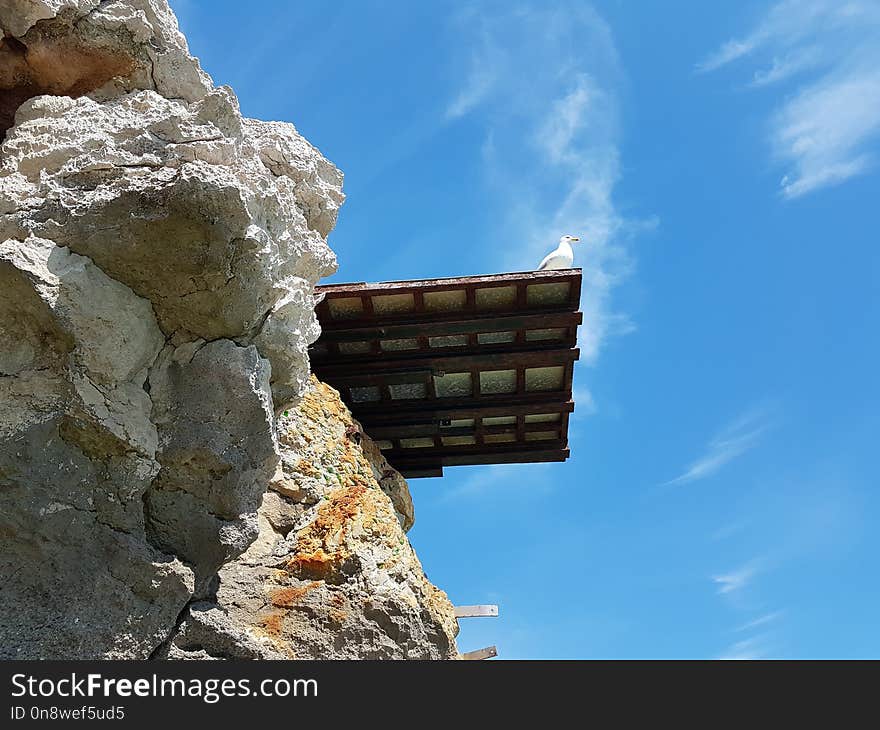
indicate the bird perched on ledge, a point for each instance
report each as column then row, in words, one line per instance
column 562, row 257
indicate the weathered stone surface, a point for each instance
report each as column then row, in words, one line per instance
column 77, row 454
column 158, row 255
column 77, row 47
column 331, row 574
column 157, row 259
column 173, row 200
column 217, row 451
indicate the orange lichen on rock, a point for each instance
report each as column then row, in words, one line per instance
column 318, row 564
column 273, row 623
column 291, row 595
column 335, row 576
column 320, row 546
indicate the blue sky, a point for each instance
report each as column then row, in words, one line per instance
column 721, row 161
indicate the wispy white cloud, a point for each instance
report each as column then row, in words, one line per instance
column 824, row 130
column 485, row 66
column 730, row 51
column 737, row 580
column 734, row 440
column 585, row 404
column 787, row 66
column 729, row 585
column 767, row 618
column 542, row 83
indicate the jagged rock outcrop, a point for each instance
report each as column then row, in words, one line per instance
column 157, row 258
column 331, row 574
column 158, row 254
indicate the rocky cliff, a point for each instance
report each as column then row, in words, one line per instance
column 158, row 254
column 331, row 574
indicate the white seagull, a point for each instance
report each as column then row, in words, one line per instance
column 562, row 257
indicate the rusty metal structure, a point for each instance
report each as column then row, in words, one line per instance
column 465, row 370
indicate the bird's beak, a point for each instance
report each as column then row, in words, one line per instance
column 575, row 238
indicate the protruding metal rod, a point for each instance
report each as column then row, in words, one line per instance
column 472, row 611
column 486, row 653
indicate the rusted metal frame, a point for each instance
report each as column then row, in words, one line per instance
column 520, row 428
column 428, row 452
column 574, row 292
column 411, row 319
column 422, row 473
column 404, row 463
column 437, row 326
column 367, row 307
column 553, row 401
column 320, row 361
column 377, row 379
column 436, row 363
column 521, row 304
column 470, row 306
column 414, row 430
column 447, row 283
column 419, row 307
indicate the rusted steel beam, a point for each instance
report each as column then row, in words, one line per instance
column 421, row 473
column 444, row 324
column 452, row 282
column 409, row 458
column 437, row 363
column 407, row 411
column 431, row 429
column 321, row 360
column 428, row 452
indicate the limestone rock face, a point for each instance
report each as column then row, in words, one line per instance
column 331, row 574
column 158, row 254
column 172, row 484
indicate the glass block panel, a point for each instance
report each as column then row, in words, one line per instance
column 546, row 295
column 549, row 378
column 408, row 390
column 458, row 440
column 540, row 435
column 416, row 443
column 393, row 303
column 543, row 418
column 396, row 345
column 354, row 348
column 346, row 307
column 461, row 422
column 365, row 394
column 496, row 297
column 498, row 381
column 493, row 338
column 555, row 333
column 452, row 385
column 499, row 421
column 445, row 301
column 499, row 438
column 448, row 341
